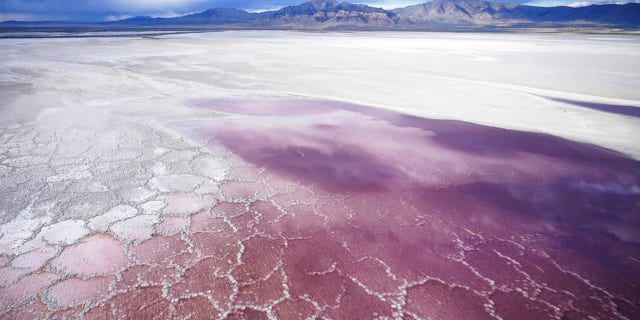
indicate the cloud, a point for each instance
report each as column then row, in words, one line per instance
column 18, row 16
column 91, row 9
column 117, row 17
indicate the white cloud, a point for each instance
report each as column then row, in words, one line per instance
column 112, row 17
column 18, row 16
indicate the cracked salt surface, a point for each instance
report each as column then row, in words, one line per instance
column 135, row 229
column 64, row 232
column 117, row 213
column 296, row 209
column 303, row 225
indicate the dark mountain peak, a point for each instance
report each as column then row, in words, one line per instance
column 331, row 13
column 218, row 16
column 322, row 5
column 219, row 12
column 456, row 2
column 308, row 8
column 139, row 18
column 468, row 6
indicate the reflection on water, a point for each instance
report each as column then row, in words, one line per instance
column 345, row 148
column 495, row 211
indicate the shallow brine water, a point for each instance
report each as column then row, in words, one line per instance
column 341, row 211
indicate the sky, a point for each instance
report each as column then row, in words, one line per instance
column 106, row 10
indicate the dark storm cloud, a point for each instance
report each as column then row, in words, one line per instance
column 89, row 10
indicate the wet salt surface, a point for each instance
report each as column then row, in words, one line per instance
column 332, row 210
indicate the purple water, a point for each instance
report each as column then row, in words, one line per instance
column 572, row 209
column 338, row 211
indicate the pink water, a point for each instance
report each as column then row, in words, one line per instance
column 348, row 212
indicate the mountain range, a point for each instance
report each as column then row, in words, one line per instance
column 433, row 15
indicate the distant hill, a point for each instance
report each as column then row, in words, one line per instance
column 483, row 13
column 211, row 16
column 433, row 15
column 330, row 13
